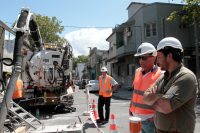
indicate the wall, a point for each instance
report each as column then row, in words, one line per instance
column 133, row 9
column 112, row 53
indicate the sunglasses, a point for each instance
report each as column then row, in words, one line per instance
column 144, row 57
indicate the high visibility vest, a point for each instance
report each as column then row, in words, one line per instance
column 18, row 93
column 106, row 86
column 140, row 86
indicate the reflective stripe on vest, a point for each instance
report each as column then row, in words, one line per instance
column 103, row 87
column 140, row 86
column 18, row 93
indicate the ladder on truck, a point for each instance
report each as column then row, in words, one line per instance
column 20, row 116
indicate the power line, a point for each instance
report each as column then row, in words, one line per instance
column 72, row 26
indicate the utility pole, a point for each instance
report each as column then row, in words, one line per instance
column 197, row 51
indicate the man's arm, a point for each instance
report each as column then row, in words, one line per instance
column 155, row 99
column 111, row 90
column 163, row 106
column 151, row 96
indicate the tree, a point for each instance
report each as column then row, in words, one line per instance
column 49, row 29
column 187, row 14
column 80, row 59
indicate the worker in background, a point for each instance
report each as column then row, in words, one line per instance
column 105, row 92
column 145, row 76
column 18, row 93
column 174, row 94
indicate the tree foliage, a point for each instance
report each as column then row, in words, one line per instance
column 49, row 29
column 186, row 15
column 80, row 59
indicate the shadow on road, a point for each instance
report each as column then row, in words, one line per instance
column 90, row 125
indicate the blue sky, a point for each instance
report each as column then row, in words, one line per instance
column 80, row 13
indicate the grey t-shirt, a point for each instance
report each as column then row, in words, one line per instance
column 181, row 90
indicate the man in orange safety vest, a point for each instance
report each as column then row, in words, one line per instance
column 105, row 92
column 18, row 93
column 145, row 76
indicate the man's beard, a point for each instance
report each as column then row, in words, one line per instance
column 165, row 65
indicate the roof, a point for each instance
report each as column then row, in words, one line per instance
column 135, row 3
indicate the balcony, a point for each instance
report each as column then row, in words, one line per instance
column 126, row 49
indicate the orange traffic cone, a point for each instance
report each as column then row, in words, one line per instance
column 94, row 110
column 113, row 126
column 135, row 125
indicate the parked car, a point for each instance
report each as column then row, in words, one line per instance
column 93, row 85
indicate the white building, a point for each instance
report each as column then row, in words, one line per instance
column 80, row 67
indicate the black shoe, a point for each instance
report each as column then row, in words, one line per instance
column 104, row 122
column 99, row 121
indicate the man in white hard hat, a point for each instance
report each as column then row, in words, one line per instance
column 174, row 94
column 106, row 86
column 145, row 77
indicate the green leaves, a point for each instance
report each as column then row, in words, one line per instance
column 187, row 13
column 80, row 59
column 49, row 29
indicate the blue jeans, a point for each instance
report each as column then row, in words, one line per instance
column 147, row 127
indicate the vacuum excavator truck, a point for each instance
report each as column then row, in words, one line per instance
column 46, row 70
column 46, row 76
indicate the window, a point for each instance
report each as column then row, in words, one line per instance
column 150, row 29
column 119, row 70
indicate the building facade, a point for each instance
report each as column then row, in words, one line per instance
column 95, row 62
column 146, row 23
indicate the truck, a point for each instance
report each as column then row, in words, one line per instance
column 46, row 68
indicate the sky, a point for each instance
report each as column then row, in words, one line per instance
column 87, row 14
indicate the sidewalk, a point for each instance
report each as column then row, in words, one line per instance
column 123, row 94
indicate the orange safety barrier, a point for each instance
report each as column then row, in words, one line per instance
column 135, row 125
column 113, row 126
column 94, row 110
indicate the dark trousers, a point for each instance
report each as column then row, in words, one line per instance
column 104, row 100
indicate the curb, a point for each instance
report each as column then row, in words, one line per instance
column 120, row 97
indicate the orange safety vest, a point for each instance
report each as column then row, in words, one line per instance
column 106, row 86
column 18, row 93
column 140, row 86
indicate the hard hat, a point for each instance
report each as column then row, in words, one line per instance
column 169, row 41
column 9, row 73
column 146, row 48
column 103, row 69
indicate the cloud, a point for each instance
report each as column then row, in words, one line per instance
column 91, row 37
column 7, row 37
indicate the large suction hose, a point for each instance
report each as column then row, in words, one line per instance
column 17, row 62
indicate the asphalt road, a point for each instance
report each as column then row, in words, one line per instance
column 118, row 107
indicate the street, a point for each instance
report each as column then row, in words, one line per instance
column 118, row 107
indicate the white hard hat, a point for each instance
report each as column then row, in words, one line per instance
column 169, row 41
column 103, row 69
column 146, row 48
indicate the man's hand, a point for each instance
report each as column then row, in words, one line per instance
column 151, row 120
column 109, row 91
column 130, row 113
column 154, row 90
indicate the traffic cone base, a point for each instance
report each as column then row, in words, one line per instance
column 94, row 111
column 113, row 126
